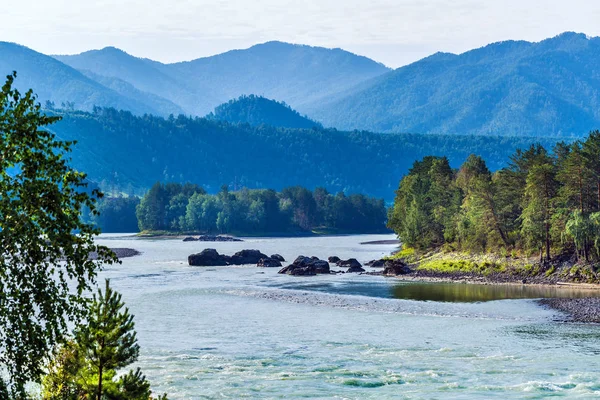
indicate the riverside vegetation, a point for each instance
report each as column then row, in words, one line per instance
column 46, row 271
column 188, row 208
column 539, row 216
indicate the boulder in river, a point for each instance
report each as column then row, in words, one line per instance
column 350, row 263
column 211, row 258
column 355, row 269
column 208, row 258
column 268, row 263
column 247, row 257
column 306, row 266
column 334, row 259
column 376, row 263
column 278, row 257
column 395, row 268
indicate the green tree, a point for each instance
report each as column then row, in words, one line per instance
column 479, row 223
column 537, row 213
column 86, row 367
column 45, row 270
column 108, row 338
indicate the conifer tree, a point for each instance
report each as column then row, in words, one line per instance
column 87, row 367
column 540, row 190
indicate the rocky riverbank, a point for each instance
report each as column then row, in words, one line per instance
column 119, row 251
column 576, row 310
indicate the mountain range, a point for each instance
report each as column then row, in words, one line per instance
column 550, row 88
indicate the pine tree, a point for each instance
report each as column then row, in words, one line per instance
column 540, row 190
column 86, row 367
column 109, row 338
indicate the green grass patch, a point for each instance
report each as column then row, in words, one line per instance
column 454, row 266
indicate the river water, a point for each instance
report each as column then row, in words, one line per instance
column 249, row 333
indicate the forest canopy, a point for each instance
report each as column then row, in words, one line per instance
column 180, row 208
column 543, row 201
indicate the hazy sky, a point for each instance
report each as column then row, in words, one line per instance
column 395, row 32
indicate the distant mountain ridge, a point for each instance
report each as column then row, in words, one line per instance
column 258, row 110
column 550, row 88
column 297, row 74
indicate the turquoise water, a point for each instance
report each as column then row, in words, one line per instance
column 246, row 332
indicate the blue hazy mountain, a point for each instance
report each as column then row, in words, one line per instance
column 57, row 82
column 144, row 75
column 258, row 110
column 298, row 75
column 548, row 88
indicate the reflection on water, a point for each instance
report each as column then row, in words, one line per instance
column 435, row 291
column 469, row 293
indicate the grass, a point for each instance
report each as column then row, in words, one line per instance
column 454, row 266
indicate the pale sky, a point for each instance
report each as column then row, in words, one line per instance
column 394, row 32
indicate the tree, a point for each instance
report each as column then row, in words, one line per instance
column 44, row 245
column 540, row 190
column 86, row 367
column 108, row 338
column 480, row 218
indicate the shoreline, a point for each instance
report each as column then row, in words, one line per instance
column 575, row 310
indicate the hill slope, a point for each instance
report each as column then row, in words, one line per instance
column 551, row 88
column 298, row 75
column 257, row 110
column 59, row 83
column 120, row 150
column 144, row 75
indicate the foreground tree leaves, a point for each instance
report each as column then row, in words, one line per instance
column 44, row 246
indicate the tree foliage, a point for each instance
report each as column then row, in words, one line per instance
column 177, row 207
column 44, row 266
column 541, row 202
column 87, row 366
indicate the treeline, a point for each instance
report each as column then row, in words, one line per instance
column 186, row 207
column 128, row 154
column 543, row 201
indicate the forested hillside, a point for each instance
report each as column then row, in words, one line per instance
column 550, row 88
column 130, row 153
column 257, row 110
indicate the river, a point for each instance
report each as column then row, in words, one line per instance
column 247, row 332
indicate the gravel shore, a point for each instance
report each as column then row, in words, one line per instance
column 577, row 310
column 121, row 252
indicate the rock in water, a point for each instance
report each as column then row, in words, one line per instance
column 278, row 257
column 207, row 258
column 395, row 268
column 355, row 269
column 268, row 263
column 306, row 266
column 376, row 263
column 247, row 257
column 351, row 263
column 321, row 266
column 334, row 259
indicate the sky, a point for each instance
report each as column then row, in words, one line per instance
column 394, row 32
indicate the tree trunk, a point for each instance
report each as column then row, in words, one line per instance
column 99, row 397
column 598, row 189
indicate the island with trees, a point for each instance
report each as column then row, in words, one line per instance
column 180, row 208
